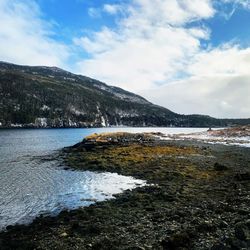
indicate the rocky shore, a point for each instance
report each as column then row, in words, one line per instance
column 197, row 197
column 229, row 136
column 242, row 131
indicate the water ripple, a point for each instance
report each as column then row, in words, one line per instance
column 32, row 183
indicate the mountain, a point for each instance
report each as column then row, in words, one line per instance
column 39, row 96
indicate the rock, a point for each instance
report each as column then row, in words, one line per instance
column 248, row 223
column 219, row 246
column 135, row 248
column 242, row 176
column 219, row 167
column 206, row 226
column 242, row 232
column 177, row 241
column 243, row 211
column 237, row 244
column 64, row 234
column 223, row 224
column 8, row 228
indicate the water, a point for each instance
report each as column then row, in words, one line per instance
column 30, row 185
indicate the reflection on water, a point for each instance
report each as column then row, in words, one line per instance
column 29, row 190
column 30, row 186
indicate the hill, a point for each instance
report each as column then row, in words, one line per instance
column 39, row 96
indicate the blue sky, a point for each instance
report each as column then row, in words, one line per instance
column 73, row 18
column 234, row 28
column 191, row 56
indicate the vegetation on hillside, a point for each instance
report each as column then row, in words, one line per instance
column 52, row 97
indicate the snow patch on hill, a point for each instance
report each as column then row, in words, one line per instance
column 123, row 96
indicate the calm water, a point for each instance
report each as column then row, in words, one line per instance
column 30, row 185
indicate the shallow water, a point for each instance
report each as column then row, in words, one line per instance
column 30, row 185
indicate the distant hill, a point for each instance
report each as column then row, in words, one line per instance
column 51, row 97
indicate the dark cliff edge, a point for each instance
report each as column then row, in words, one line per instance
column 49, row 97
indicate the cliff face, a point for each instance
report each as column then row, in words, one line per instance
column 52, row 97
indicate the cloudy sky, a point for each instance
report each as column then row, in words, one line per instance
column 191, row 56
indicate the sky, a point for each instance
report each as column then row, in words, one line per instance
column 190, row 56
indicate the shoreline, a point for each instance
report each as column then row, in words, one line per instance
column 34, row 127
column 199, row 198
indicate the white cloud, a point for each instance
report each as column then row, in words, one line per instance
column 218, row 96
column 136, row 62
column 228, row 60
column 174, row 12
column 219, row 85
column 149, row 46
column 112, row 9
column 94, row 12
column 152, row 47
column 106, row 39
column 237, row 3
column 25, row 38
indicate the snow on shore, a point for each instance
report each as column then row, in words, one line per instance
column 228, row 136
